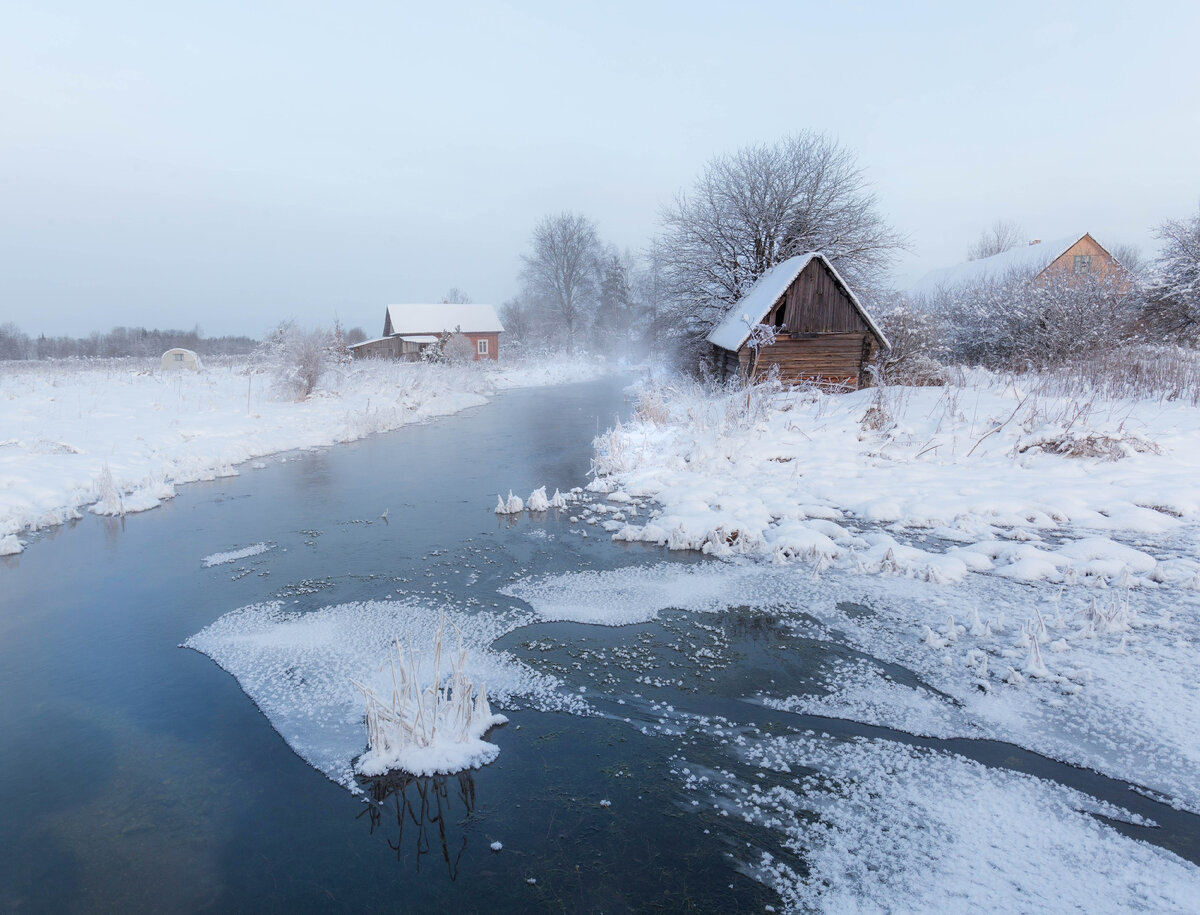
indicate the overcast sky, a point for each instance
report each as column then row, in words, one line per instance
column 229, row 164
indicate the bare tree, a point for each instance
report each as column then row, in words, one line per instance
column 1130, row 257
column 1002, row 236
column 1174, row 290
column 750, row 210
column 560, row 272
column 520, row 327
column 456, row 296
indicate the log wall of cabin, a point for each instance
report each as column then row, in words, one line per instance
column 834, row 358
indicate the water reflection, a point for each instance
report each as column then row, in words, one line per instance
column 426, row 808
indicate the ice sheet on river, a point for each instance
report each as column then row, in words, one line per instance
column 1105, row 679
column 298, row 666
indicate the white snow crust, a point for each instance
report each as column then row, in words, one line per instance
column 1121, row 697
column 909, row 830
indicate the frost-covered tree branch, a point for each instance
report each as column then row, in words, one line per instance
column 763, row 204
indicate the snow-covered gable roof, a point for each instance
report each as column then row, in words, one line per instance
column 435, row 319
column 1030, row 259
column 734, row 330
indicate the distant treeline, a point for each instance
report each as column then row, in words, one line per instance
column 120, row 341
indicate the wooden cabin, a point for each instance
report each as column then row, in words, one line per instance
column 1075, row 256
column 825, row 335
column 409, row 330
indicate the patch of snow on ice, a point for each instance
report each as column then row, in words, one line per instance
column 906, row 829
column 298, row 668
column 217, row 559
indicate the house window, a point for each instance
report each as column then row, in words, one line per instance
column 481, row 347
column 1083, row 263
column 179, row 357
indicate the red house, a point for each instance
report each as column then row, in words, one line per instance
column 408, row 330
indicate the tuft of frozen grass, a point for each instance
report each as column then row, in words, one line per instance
column 510, row 506
column 433, row 729
column 538, row 501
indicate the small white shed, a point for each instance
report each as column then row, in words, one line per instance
column 175, row 359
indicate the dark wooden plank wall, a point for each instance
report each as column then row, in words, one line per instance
column 816, row 304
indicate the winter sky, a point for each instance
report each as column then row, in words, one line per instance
column 230, row 164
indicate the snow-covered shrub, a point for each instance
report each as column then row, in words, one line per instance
column 878, row 416
column 296, row 357
column 512, row 506
column 458, row 349
column 538, row 500
column 1019, row 319
column 339, row 349
column 918, row 346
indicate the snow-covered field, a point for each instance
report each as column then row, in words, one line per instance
column 118, row 436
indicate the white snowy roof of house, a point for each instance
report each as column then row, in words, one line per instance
column 420, row 338
column 437, row 319
column 1031, row 259
column 734, row 330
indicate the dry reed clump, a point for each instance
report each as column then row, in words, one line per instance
column 879, row 416
column 415, row 717
column 1102, row 445
column 1170, row 373
column 919, row 371
column 652, row 405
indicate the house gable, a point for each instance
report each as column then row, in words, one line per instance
column 804, row 292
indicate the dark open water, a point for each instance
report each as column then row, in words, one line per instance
column 135, row 775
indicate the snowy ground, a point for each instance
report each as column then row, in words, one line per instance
column 939, row 481
column 118, row 436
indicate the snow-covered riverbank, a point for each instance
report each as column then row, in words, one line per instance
column 119, row 436
column 999, row 475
